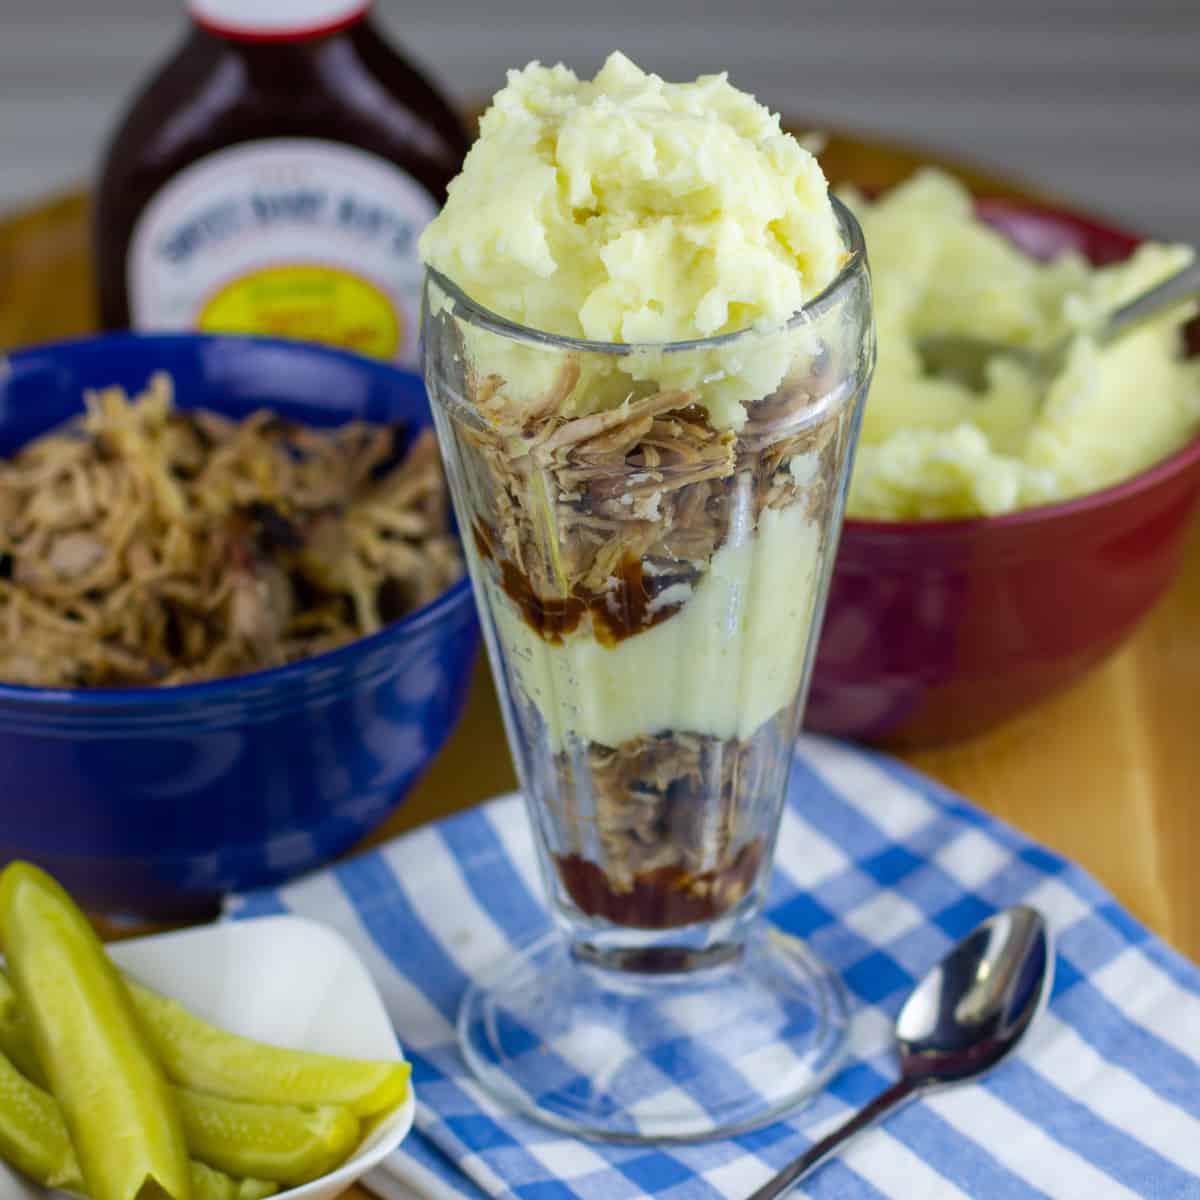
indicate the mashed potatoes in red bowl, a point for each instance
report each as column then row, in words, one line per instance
column 960, row 597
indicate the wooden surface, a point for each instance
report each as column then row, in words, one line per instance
column 1106, row 773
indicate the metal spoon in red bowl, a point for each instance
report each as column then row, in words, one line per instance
column 964, row 358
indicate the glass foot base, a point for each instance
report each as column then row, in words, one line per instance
column 656, row 1057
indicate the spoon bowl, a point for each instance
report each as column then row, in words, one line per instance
column 967, row 1014
column 974, row 1006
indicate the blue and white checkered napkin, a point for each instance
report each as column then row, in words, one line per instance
column 881, row 871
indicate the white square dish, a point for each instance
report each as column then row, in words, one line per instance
column 286, row 980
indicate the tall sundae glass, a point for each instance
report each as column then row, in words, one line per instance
column 650, row 528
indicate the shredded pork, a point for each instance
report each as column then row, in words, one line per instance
column 147, row 544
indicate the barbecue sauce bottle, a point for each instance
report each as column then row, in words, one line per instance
column 273, row 177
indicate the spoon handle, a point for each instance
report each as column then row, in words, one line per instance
column 900, row 1091
column 1180, row 286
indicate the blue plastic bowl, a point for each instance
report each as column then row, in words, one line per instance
column 157, row 801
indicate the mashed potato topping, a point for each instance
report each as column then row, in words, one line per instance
column 628, row 209
column 931, row 448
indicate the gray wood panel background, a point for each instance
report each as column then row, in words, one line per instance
column 1099, row 99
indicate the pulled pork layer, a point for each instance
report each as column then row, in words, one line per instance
column 610, row 512
column 676, row 842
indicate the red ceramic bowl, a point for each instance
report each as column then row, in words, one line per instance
column 936, row 630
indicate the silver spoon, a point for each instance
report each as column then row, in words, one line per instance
column 964, row 358
column 960, row 1021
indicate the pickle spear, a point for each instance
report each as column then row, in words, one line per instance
column 210, row 1184
column 34, row 1139
column 285, row 1143
column 121, row 1115
column 16, row 1041
column 198, row 1055
column 33, row 1134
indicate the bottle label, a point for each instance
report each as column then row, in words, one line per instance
column 290, row 237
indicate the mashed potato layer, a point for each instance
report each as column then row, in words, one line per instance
column 727, row 662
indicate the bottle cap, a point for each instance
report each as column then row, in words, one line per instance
column 275, row 20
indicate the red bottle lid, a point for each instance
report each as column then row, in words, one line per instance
column 273, row 177
column 275, row 20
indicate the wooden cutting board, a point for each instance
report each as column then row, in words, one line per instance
column 1105, row 773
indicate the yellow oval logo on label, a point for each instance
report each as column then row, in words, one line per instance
column 314, row 303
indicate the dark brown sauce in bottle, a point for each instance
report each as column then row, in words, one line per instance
column 341, row 84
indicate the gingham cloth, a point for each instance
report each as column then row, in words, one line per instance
column 881, row 871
